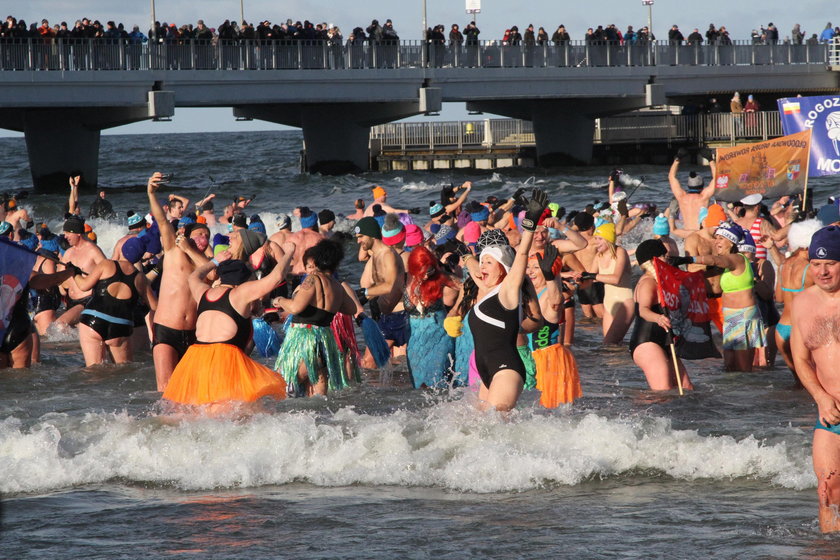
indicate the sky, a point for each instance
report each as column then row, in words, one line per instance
column 740, row 18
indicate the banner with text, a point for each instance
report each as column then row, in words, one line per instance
column 15, row 267
column 772, row 168
column 821, row 115
column 682, row 295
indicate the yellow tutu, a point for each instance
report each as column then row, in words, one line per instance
column 211, row 373
column 558, row 379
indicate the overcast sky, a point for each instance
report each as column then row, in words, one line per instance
column 496, row 15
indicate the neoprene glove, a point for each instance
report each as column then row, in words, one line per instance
column 614, row 176
column 360, row 318
column 534, row 210
column 622, row 208
column 681, row 153
column 454, row 326
column 76, row 270
column 518, row 198
column 461, row 249
column 677, row 261
column 560, row 213
column 546, row 262
column 588, row 275
column 360, row 293
column 414, row 210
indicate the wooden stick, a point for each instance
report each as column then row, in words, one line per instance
column 676, row 366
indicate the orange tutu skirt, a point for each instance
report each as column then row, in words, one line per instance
column 211, row 373
column 558, row 379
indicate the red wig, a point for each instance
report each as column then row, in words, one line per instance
column 427, row 281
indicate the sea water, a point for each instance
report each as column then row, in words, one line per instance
column 93, row 465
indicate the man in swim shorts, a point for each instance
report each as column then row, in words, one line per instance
column 815, row 345
column 86, row 255
column 382, row 283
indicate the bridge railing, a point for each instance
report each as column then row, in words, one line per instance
column 490, row 133
column 125, row 54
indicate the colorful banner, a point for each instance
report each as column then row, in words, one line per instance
column 15, row 267
column 821, row 115
column 682, row 295
column 773, row 168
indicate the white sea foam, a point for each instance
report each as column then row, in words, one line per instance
column 447, row 445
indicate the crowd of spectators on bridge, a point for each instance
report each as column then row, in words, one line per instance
column 289, row 30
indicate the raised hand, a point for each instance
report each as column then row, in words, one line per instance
column 546, row 262
column 534, row 210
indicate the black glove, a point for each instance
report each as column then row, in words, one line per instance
column 615, row 175
column 518, row 198
column 708, row 153
column 622, row 208
column 677, row 261
column 681, row 153
column 414, row 210
column 29, row 224
column 534, row 210
column 560, row 213
column 460, row 249
column 76, row 270
column 360, row 293
column 359, row 318
column 546, row 262
column 588, row 275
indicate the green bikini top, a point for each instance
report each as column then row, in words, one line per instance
column 745, row 281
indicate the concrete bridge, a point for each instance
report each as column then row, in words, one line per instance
column 62, row 94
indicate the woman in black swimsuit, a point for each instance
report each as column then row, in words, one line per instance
column 649, row 341
column 495, row 319
column 309, row 359
column 107, row 321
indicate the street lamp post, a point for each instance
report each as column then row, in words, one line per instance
column 423, row 38
column 241, row 11
column 154, row 19
column 649, row 4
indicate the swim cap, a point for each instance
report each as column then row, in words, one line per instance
column 220, row 239
column 472, row 231
column 74, row 224
column 800, row 233
column 648, row 249
column 233, row 272
column 731, row 231
column 747, row 244
column 491, row 237
column 606, row 232
column 133, row 249
column 395, row 235
column 251, row 241
column 326, row 216
column 413, row 235
column 660, row 225
column 185, row 221
column 308, row 218
column 715, row 215
column 368, row 226
column 480, row 214
column 825, row 244
column 284, row 222
column 5, row 228
column 502, row 253
column 378, row 192
column 554, row 207
column 257, row 226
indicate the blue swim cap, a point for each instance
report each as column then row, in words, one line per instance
column 310, row 220
column 185, row 221
column 747, row 245
column 134, row 219
column 50, row 245
column 480, row 214
column 731, row 231
column 660, row 225
column 30, row 242
column 220, row 239
column 258, row 227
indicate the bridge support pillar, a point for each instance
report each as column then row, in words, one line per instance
column 336, row 135
column 564, row 129
column 65, row 141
